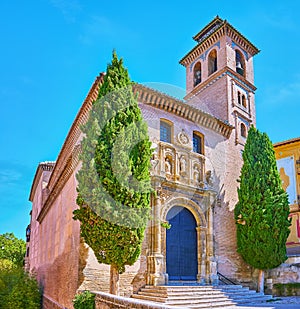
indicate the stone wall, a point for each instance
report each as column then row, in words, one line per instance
column 96, row 276
column 288, row 272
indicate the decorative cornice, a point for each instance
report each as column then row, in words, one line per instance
column 207, row 37
column 246, row 118
column 202, row 47
column 180, row 108
column 208, row 29
column 43, row 166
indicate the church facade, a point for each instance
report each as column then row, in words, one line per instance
column 198, row 144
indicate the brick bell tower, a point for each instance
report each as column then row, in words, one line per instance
column 220, row 81
column 220, row 77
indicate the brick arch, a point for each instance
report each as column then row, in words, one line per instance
column 193, row 207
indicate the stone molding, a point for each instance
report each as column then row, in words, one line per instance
column 190, row 205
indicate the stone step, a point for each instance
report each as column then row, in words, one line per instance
column 150, row 298
column 207, row 305
column 195, row 301
column 255, row 299
column 178, row 287
column 196, row 297
column 232, row 290
column 229, row 286
column 239, row 293
column 176, row 294
column 179, row 292
column 182, row 300
column 201, row 296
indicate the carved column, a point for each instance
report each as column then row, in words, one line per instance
column 155, row 259
column 201, row 237
column 211, row 265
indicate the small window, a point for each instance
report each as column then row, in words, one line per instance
column 243, row 130
column 212, row 62
column 197, row 74
column 244, row 102
column 165, row 131
column 198, row 143
column 239, row 98
column 239, row 63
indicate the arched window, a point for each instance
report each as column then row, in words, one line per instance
column 239, row 63
column 212, row 62
column 244, row 102
column 197, row 74
column 165, row 131
column 243, row 130
column 198, row 142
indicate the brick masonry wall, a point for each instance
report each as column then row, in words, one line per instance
column 213, row 99
column 57, row 249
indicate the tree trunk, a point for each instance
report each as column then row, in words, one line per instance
column 261, row 281
column 114, row 280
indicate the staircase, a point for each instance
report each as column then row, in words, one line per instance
column 197, row 296
column 242, row 295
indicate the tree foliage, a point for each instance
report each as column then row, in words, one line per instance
column 84, row 300
column 18, row 290
column 114, row 182
column 12, row 249
column 262, row 210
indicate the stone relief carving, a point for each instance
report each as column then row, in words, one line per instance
column 182, row 165
column 168, row 166
column 178, row 164
column 154, row 164
column 183, row 138
column 209, row 178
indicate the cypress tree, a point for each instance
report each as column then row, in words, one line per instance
column 114, row 181
column 262, row 210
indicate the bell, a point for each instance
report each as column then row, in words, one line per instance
column 239, row 66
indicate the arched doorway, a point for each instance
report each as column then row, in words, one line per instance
column 181, row 245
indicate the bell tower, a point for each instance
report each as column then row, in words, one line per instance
column 220, row 77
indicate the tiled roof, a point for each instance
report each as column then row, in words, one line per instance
column 289, row 141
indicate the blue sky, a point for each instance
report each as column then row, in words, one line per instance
column 52, row 50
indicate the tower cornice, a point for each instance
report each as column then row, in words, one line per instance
column 211, row 34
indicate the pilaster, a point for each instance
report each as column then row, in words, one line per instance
column 155, row 259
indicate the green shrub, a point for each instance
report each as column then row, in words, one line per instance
column 287, row 289
column 84, row 300
column 18, row 290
